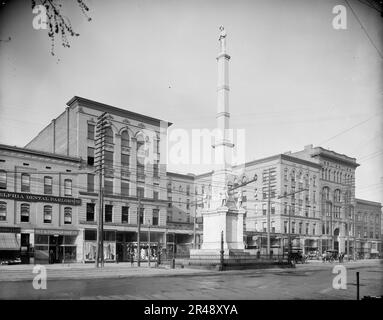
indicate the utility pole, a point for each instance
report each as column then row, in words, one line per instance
column 139, row 231
column 149, row 244
column 100, row 146
column 289, row 235
column 268, row 214
column 194, row 226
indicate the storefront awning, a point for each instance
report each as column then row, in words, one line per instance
column 8, row 241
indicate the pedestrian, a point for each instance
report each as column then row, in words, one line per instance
column 51, row 257
column 131, row 259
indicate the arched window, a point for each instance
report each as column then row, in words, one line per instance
column 67, row 187
column 3, row 179
column 24, row 212
column 337, row 195
column 326, row 193
column 3, row 211
column 25, row 182
column 48, row 185
column 125, row 141
column 67, row 215
column 47, row 214
column 108, row 135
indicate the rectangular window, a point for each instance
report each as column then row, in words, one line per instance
column 264, row 210
column 314, row 225
column 3, row 211
column 285, row 226
column 47, row 185
column 140, row 192
column 90, row 156
column 155, row 195
column 155, row 169
column 108, row 186
column 91, row 131
column 273, row 226
column 188, row 204
column 108, row 213
column 264, row 226
column 124, row 188
column 125, row 214
column 108, row 159
column 140, row 168
column 25, row 182
column 90, row 178
column 141, row 215
column 273, row 208
column 155, row 217
column 300, row 228
column 293, row 227
column 307, row 228
column 47, row 214
column 188, row 190
column 90, row 211
column 24, row 212
column 125, row 160
column 68, row 187
column 3, row 180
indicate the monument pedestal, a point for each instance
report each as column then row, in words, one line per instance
column 228, row 220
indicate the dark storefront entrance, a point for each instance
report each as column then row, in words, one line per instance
column 55, row 248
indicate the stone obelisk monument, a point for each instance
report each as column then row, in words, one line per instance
column 223, row 213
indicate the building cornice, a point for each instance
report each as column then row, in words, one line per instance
column 79, row 101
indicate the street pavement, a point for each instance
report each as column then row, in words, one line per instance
column 308, row 281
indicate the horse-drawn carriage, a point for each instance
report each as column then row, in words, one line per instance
column 330, row 256
column 297, row 256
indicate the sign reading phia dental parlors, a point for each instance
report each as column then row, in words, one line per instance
column 29, row 197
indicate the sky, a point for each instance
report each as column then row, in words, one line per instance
column 294, row 79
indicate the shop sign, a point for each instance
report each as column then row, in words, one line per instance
column 55, row 232
column 29, row 197
column 9, row 230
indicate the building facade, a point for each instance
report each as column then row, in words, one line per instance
column 368, row 236
column 49, row 195
column 39, row 205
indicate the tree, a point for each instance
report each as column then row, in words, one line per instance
column 57, row 23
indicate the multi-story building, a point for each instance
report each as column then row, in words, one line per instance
column 39, row 205
column 309, row 195
column 337, row 194
column 368, row 221
column 135, row 176
column 286, row 189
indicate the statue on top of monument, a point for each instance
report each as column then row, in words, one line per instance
column 222, row 38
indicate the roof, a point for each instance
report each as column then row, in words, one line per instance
column 368, row 202
column 180, row 175
column 39, row 153
column 76, row 100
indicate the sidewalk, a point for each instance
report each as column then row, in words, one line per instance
column 88, row 271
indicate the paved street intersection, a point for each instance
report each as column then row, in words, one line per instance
column 309, row 281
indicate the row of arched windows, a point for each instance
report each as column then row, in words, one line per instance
column 336, row 176
column 336, row 195
column 25, row 213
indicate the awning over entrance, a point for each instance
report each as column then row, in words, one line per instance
column 8, row 241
